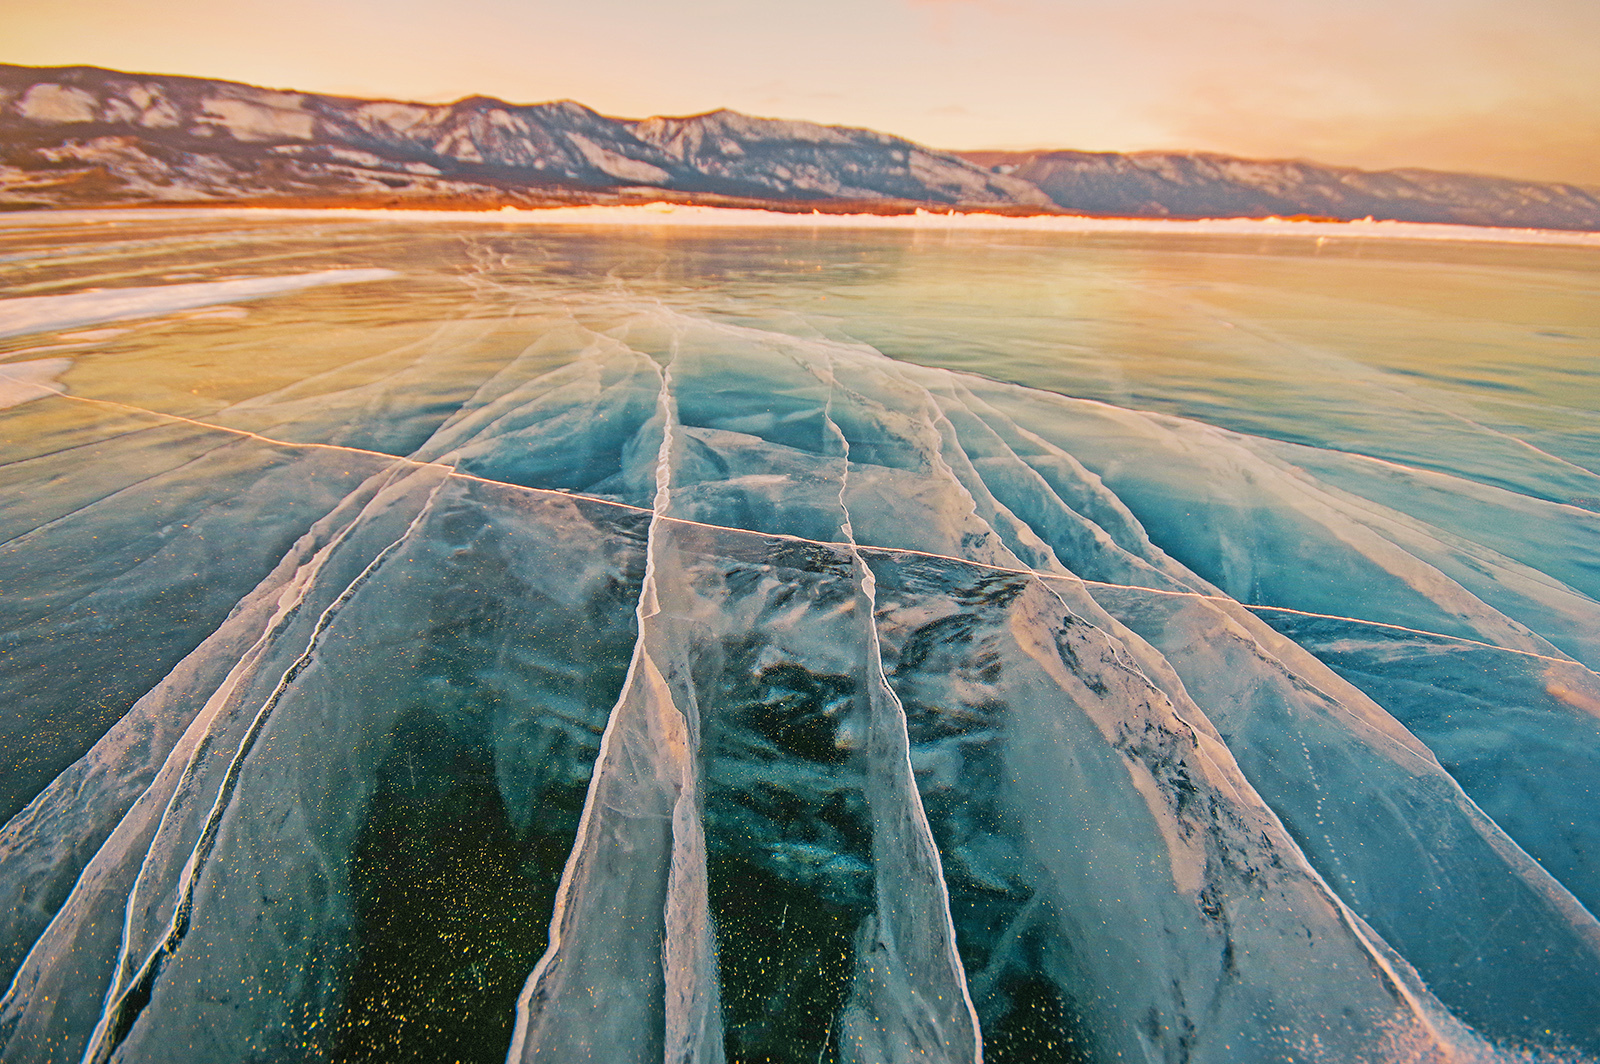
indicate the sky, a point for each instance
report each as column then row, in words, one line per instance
column 1507, row 87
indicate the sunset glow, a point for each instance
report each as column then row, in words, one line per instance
column 1479, row 85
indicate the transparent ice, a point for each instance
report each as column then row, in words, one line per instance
column 453, row 642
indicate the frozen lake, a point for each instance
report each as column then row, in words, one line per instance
column 462, row 640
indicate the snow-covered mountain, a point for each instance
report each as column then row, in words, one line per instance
column 1206, row 185
column 82, row 136
column 78, row 135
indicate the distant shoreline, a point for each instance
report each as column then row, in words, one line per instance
column 675, row 215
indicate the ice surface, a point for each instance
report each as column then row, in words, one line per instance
column 681, row 215
column 36, row 314
column 595, row 647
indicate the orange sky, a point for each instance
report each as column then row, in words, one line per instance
column 1494, row 86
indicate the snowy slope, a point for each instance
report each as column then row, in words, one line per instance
column 1206, row 185
column 84, row 135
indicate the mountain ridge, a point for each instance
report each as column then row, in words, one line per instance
column 84, row 136
column 71, row 135
column 1187, row 184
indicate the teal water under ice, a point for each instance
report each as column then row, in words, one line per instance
column 462, row 641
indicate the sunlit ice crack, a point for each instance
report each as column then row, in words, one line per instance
column 454, row 471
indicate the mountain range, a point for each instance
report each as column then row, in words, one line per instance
column 83, row 136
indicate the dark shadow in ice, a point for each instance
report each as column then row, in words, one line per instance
column 451, row 901
column 516, row 659
column 785, row 957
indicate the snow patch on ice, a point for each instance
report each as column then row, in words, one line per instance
column 658, row 214
column 681, row 214
column 34, row 314
column 22, row 382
